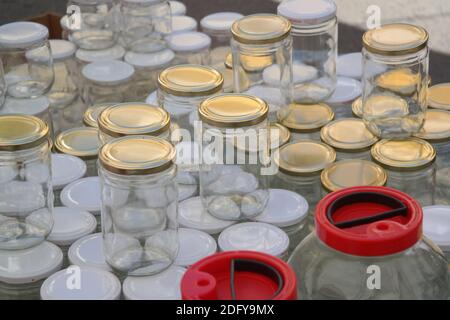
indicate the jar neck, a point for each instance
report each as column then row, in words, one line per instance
column 395, row 60
column 299, row 29
column 125, row 181
column 261, row 49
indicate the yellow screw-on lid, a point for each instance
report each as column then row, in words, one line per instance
column 305, row 117
column 20, row 132
column 82, row 142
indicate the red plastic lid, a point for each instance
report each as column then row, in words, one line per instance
column 239, row 275
column 369, row 221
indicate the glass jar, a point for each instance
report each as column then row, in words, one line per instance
column 190, row 47
column 315, row 40
column 346, row 91
column 438, row 96
column 233, row 184
column 26, row 196
column 90, row 118
column 139, row 204
column 82, row 142
column 218, row 27
column 188, row 161
column 182, row 88
column 27, row 60
column 436, row 227
column 349, row 137
column 305, row 120
column 410, row 164
column 177, row 8
column 88, row 252
column 402, row 51
column 359, row 253
column 183, row 24
column 195, row 245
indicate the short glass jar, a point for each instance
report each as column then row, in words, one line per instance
column 190, row 47
column 346, row 91
column 401, row 51
column 315, row 40
column 139, row 204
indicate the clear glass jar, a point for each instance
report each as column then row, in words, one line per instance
column 26, row 195
column 90, row 118
column 357, row 253
column 315, row 40
column 27, row 60
column 182, row 88
column 347, row 90
column 139, row 205
column 234, row 183
column 436, row 227
column 143, row 24
column 401, row 51
column 177, row 8
column 190, row 47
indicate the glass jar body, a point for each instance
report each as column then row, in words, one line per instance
column 105, row 137
column 199, row 57
column 96, row 93
column 442, row 195
column 220, row 45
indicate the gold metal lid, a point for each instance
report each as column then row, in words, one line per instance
column 133, row 119
column 357, row 108
column 348, row 134
column 381, row 105
column 20, row 132
column 402, row 81
column 260, row 29
column 304, row 158
column 233, row 110
column 91, row 115
column 395, row 39
column 436, row 127
column 305, row 117
column 279, row 135
column 82, row 142
column 407, row 154
column 190, row 80
column 137, row 155
column 439, row 96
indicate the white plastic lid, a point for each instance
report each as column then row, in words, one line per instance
column 300, row 73
column 152, row 98
column 436, row 225
column 114, row 53
column 285, row 208
column 31, row 107
column 88, row 252
column 150, row 60
column 220, row 21
column 188, row 41
column 194, row 246
column 66, row 169
column 254, row 236
column 162, row 286
column 308, row 12
column 183, row 24
column 108, row 72
column 350, row 65
column 83, row 194
column 191, row 214
column 347, row 90
column 177, row 8
column 62, row 49
column 22, row 34
column 70, row 224
column 95, row 284
column 30, row 265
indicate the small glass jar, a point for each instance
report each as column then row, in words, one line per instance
column 82, row 142
column 147, row 66
column 27, row 59
column 88, row 252
column 234, row 183
column 436, row 227
column 439, row 96
column 139, row 204
column 305, row 120
column 26, row 195
column 218, row 27
column 349, row 137
column 190, row 47
column 177, row 8
column 90, row 118
column 182, row 88
column 195, row 245
column 346, row 91
column 183, row 24
column 107, row 82
column 315, row 41
column 410, row 164
column 402, row 51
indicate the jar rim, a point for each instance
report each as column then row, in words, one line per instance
column 260, row 29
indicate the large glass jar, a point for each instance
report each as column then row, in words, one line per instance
column 410, row 165
column 26, row 196
column 368, row 245
column 401, row 51
column 233, row 183
column 190, row 47
column 315, row 39
column 139, row 204
column 27, row 60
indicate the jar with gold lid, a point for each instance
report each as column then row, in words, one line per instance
column 26, row 196
column 91, row 114
column 139, row 204
column 82, row 142
column 234, row 182
column 349, row 137
column 400, row 54
column 439, row 96
column 410, row 164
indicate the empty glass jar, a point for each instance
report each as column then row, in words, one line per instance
column 139, row 204
column 190, row 47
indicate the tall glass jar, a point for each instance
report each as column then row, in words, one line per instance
column 402, row 51
column 190, row 47
column 315, row 39
column 233, row 183
column 139, row 204
column 27, row 60
column 26, row 195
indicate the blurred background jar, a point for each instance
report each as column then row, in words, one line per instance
column 410, row 164
column 315, row 36
column 177, row 8
column 401, row 50
column 26, row 195
column 190, row 47
column 347, row 90
column 27, row 60
column 139, row 205
column 183, row 24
